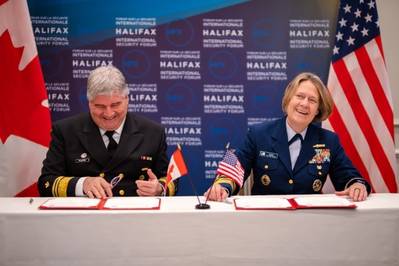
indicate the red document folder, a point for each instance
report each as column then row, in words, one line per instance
column 81, row 203
column 299, row 202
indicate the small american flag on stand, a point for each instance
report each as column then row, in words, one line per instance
column 359, row 85
column 231, row 167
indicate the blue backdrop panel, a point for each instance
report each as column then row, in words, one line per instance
column 205, row 70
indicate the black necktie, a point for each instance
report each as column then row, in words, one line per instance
column 112, row 145
column 294, row 138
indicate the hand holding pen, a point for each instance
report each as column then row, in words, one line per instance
column 98, row 187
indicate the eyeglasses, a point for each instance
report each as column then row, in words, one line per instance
column 116, row 179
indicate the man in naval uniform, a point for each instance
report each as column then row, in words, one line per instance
column 88, row 151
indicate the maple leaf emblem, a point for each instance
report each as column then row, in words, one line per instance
column 23, row 109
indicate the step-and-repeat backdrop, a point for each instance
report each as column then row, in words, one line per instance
column 205, row 70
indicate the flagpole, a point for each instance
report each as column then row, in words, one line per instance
column 199, row 205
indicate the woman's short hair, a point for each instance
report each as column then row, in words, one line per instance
column 106, row 80
column 325, row 99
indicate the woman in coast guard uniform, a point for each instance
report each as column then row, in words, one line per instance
column 291, row 155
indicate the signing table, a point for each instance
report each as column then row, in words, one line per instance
column 178, row 234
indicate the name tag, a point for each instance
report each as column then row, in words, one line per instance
column 268, row 154
column 84, row 158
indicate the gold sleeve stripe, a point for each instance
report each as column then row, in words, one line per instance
column 226, row 180
column 60, row 186
column 55, row 184
column 171, row 189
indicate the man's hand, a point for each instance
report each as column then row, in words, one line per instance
column 217, row 193
column 152, row 187
column 97, row 187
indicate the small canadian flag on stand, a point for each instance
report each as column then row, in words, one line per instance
column 25, row 122
column 177, row 167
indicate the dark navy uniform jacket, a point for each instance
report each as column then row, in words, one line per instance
column 77, row 150
column 265, row 151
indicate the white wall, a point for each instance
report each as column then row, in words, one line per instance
column 388, row 11
column 389, row 14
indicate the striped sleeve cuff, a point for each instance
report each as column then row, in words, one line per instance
column 64, row 186
column 227, row 183
column 171, row 189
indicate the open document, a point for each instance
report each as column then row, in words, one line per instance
column 298, row 202
column 123, row 203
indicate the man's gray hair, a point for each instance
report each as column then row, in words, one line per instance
column 106, row 80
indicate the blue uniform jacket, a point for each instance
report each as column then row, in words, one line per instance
column 265, row 150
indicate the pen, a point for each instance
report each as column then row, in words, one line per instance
column 31, row 201
column 116, row 180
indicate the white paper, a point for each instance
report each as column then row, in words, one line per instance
column 132, row 203
column 262, row 203
column 71, row 202
column 323, row 201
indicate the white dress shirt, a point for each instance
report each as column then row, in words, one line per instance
column 116, row 137
column 295, row 147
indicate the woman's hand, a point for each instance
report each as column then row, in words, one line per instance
column 217, row 193
column 356, row 191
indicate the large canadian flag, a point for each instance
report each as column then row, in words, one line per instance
column 25, row 122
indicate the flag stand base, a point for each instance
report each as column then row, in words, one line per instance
column 202, row 206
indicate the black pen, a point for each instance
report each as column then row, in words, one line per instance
column 31, row 201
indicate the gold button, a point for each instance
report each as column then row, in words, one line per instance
column 102, row 174
column 290, row 181
column 141, row 177
column 319, row 173
column 266, row 166
column 121, row 192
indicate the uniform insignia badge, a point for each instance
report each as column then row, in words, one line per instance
column 317, row 184
column 83, row 155
column 146, row 158
column 321, row 156
column 47, row 184
column 265, row 179
column 319, row 146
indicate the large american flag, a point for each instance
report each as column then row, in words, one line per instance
column 358, row 81
column 231, row 167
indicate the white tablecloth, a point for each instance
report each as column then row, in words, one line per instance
column 178, row 234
